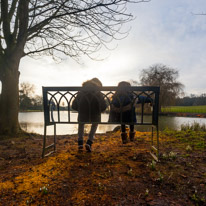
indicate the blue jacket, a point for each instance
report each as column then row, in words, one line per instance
column 123, row 107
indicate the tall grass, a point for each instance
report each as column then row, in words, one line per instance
column 195, row 126
column 184, row 109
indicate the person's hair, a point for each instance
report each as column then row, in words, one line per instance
column 93, row 82
column 124, row 84
column 97, row 82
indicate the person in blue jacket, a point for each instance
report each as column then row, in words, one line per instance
column 123, row 109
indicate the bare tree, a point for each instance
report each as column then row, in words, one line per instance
column 27, row 89
column 36, row 27
column 164, row 77
column 28, row 100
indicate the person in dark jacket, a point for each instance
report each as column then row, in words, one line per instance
column 123, row 109
column 90, row 104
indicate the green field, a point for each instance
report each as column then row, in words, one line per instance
column 184, row 109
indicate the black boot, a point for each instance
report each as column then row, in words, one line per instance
column 80, row 144
column 124, row 137
column 131, row 136
column 89, row 145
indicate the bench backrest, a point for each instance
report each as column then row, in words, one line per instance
column 57, row 103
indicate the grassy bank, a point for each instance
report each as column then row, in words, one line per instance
column 184, row 109
column 31, row 110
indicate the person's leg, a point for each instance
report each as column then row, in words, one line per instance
column 132, row 132
column 91, row 137
column 123, row 128
column 92, row 132
column 80, row 135
column 123, row 134
column 131, row 128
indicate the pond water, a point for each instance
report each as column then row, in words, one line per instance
column 34, row 122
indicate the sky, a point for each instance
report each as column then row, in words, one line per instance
column 164, row 31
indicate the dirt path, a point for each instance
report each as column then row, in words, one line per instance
column 113, row 174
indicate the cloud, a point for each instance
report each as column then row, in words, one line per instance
column 172, row 35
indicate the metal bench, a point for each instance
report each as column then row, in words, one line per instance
column 57, row 103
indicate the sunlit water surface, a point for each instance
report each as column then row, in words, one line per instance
column 34, row 122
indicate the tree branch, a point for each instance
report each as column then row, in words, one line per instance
column 72, row 27
column 12, row 9
column 5, row 21
column 23, row 22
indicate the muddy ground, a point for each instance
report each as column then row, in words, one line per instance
column 112, row 174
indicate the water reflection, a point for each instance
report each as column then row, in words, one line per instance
column 34, row 122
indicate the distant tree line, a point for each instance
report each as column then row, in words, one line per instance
column 192, row 100
column 27, row 98
column 157, row 75
column 29, row 101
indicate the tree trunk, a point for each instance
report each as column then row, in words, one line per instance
column 9, row 99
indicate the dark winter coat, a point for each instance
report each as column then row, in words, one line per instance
column 120, row 101
column 123, row 107
column 89, row 105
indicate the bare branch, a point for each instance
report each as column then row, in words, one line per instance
column 5, row 21
column 12, row 9
column 23, row 22
column 73, row 27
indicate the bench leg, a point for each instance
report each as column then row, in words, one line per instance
column 44, row 142
column 152, row 142
column 158, row 154
column 155, row 148
column 55, row 137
